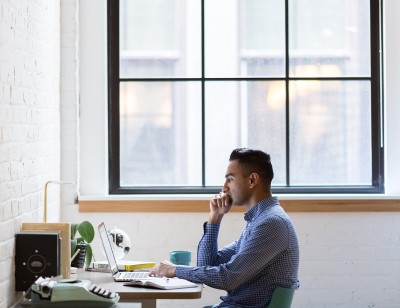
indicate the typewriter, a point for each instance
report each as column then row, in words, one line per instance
column 70, row 293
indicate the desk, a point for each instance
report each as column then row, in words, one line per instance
column 146, row 296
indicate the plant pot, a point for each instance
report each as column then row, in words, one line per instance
column 79, row 260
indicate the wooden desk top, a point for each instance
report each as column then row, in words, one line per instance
column 105, row 280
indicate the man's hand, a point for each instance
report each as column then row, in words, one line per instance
column 164, row 269
column 220, row 204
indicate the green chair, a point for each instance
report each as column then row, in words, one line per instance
column 281, row 298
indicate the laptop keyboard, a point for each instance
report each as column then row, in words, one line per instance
column 136, row 275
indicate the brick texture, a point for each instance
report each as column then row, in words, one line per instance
column 29, row 120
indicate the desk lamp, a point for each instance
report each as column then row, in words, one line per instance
column 45, row 195
column 62, row 227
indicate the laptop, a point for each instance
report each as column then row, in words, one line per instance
column 118, row 276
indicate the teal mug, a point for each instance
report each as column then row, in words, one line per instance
column 180, row 257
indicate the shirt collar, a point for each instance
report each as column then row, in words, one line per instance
column 259, row 208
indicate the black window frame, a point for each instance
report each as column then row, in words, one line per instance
column 376, row 79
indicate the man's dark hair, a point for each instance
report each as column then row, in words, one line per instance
column 254, row 161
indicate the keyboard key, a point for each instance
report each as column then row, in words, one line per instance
column 107, row 294
column 96, row 290
column 92, row 287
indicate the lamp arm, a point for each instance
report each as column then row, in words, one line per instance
column 45, row 202
column 45, row 196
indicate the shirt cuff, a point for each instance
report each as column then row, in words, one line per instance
column 211, row 228
column 183, row 272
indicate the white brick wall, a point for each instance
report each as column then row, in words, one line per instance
column 29, row 120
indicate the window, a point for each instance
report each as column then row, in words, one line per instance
column 189, row 80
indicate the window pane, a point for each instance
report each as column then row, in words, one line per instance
column 238, row 33
column 329, row 38
column 160, row 133
column 174, row 108
column 157, row 33
column 244, row 114
column 330, row 140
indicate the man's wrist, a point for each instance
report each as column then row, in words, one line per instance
column 215, row 219
column 171, row 272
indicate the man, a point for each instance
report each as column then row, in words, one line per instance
column 265, row 256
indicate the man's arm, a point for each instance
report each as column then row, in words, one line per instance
column 263, row 244
column 207, row 252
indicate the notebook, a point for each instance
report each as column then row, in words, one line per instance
column 118, row 276
column 161, row 283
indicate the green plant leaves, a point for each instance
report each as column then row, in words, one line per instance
column 89, row 255
column 82, row 233
column 86, row 231
column 73, row 246
column 74, row 229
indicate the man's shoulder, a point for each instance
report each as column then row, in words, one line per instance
column 274, row 214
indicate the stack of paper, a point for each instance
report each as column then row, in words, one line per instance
column 125, row 265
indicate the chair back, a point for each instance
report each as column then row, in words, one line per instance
column 281, row 298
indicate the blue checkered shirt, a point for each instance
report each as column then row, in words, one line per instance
column 265, row 256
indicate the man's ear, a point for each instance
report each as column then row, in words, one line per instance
column 254, row 179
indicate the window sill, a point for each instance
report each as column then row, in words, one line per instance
column 199, row 203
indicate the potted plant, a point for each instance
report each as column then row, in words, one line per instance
column 82, row 235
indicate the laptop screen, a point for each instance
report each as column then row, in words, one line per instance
column 107, row 248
